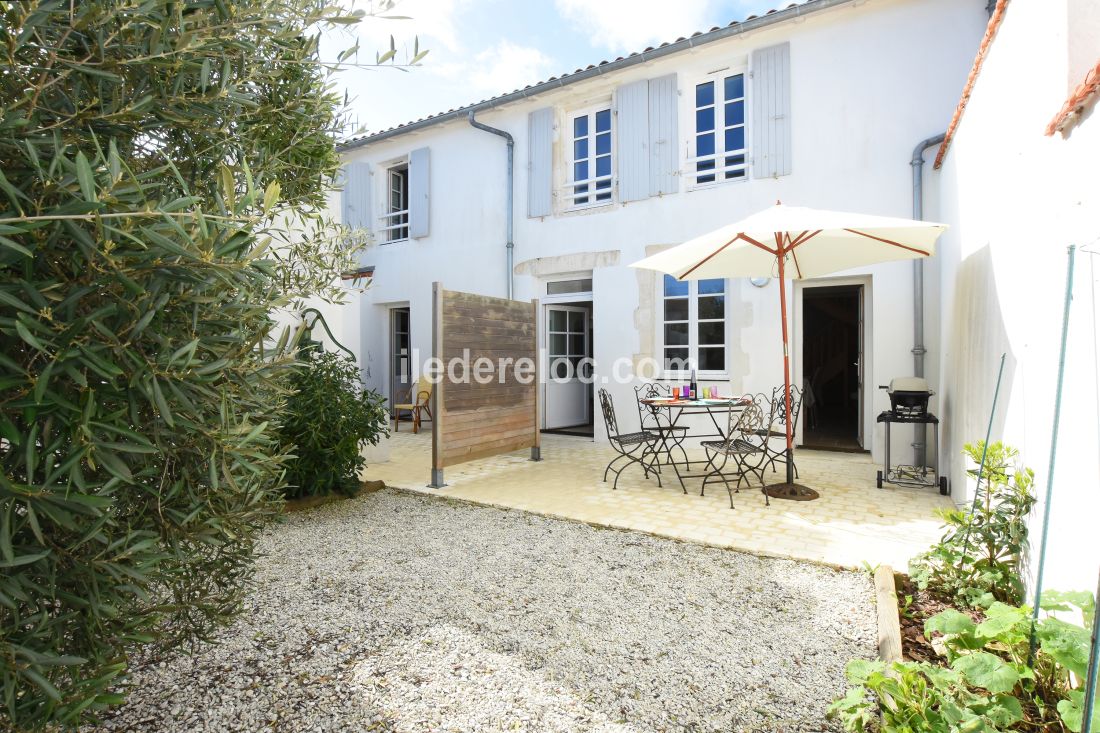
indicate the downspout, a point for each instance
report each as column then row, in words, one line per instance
column 917, row 164
column 511, row 175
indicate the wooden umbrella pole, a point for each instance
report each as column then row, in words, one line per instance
column 780, row 253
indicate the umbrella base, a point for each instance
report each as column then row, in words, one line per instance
column 792, row 491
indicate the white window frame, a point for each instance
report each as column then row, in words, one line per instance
column 693, row 331
column 568, row 194
column 692, row 157
column 393, row 221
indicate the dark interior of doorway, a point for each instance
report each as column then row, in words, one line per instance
column 586, row 430
column 830, row 367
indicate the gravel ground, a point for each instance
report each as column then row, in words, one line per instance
column 398, row 612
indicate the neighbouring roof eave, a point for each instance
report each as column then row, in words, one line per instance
column 979, row 60
column 1086, row 93
column 698, row 39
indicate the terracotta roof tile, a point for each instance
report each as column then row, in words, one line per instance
column 1085, row 94
column 979, row 60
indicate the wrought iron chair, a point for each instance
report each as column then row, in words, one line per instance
column 743, row 446
column 631, row 447
column 655, row 420
column 776, row 427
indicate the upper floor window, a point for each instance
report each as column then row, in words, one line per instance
column 590, row 159
column 694, row 327
column 719, row 144
column 395, row 222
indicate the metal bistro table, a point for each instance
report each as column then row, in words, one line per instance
column 678, row 408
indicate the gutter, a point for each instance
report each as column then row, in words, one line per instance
column 917, row 164
column 511, row 246
column 700, row 39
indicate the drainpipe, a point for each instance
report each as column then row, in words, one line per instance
column 917, row 164
column 511, row 174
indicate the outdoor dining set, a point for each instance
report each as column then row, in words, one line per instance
column 745, row 437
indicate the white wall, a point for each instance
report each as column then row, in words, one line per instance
column 1016, row 199
column 869, row 81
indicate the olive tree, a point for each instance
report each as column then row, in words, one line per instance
column 147, row 150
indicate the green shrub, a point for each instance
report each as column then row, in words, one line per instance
column 978, row 559
column 327, row 418
column 146, row 151
column 987, row 684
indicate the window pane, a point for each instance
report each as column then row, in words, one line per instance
column 576, row 321
column 676, row 358
column 603, row 144
column 576, row 344
column 557, row 320
column 674, row 286
column 712, row 306
column 735, row 113
column 712, row 332
column 580, row 170
column 735, row 86
column 603, row 120
column 560, row 368
column 557, row 344
column 736, row 160
column 583, row 285
column 704, row 94
column 735, row 138
column 580, row 126
column 704, row 144
column 714, row 285
column 676, row 309
column 676, row 334
column 580, row 149
column 704, row 119
column 712, row 359
column 603, row 166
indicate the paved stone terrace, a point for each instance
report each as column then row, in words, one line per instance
column 853, row 522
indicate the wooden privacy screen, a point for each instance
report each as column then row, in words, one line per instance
column 473, row 420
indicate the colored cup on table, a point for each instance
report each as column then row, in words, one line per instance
column 675, row 393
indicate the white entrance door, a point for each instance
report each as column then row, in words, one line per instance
column 568, row 398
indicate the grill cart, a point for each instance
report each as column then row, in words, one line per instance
column 909, row 405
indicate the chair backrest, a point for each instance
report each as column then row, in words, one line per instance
column 607, row 406
column 649, row 416
column 779, row 407
column 744, row 423
column 423, row 394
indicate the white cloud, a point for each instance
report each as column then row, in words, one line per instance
column 630, row 25
column 508, row 66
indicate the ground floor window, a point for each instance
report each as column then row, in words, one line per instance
column 694, row 325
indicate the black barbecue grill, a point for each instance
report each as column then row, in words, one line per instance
column 909, row 405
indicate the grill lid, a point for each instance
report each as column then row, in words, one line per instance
column 909, row 384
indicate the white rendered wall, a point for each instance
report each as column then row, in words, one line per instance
column 1016, row 199
column 869, row 81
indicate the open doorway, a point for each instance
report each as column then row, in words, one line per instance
column 568, row 396
column 832, row 367
column 400, row 357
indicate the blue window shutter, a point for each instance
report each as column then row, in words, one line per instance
column 540, row 162
column 664, row 163
column 771, row 105
column 419, row 187
column 632, row 128
column 355, row 200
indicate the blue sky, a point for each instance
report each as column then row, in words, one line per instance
column 482, row 48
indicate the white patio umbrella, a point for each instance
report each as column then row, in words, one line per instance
column 799, row 243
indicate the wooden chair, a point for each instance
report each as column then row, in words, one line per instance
column 421, row 404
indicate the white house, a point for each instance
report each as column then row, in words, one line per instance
column 819, row 104
column 1018, row 186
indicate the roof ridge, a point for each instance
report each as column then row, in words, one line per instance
column 736, row 27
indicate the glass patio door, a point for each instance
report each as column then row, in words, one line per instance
column 568, row 342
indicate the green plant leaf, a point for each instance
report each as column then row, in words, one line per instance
column 950, row 621
column 85, row 176
column 987, row 671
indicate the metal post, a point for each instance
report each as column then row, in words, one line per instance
column 1094, row 663
column 1053, row 450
